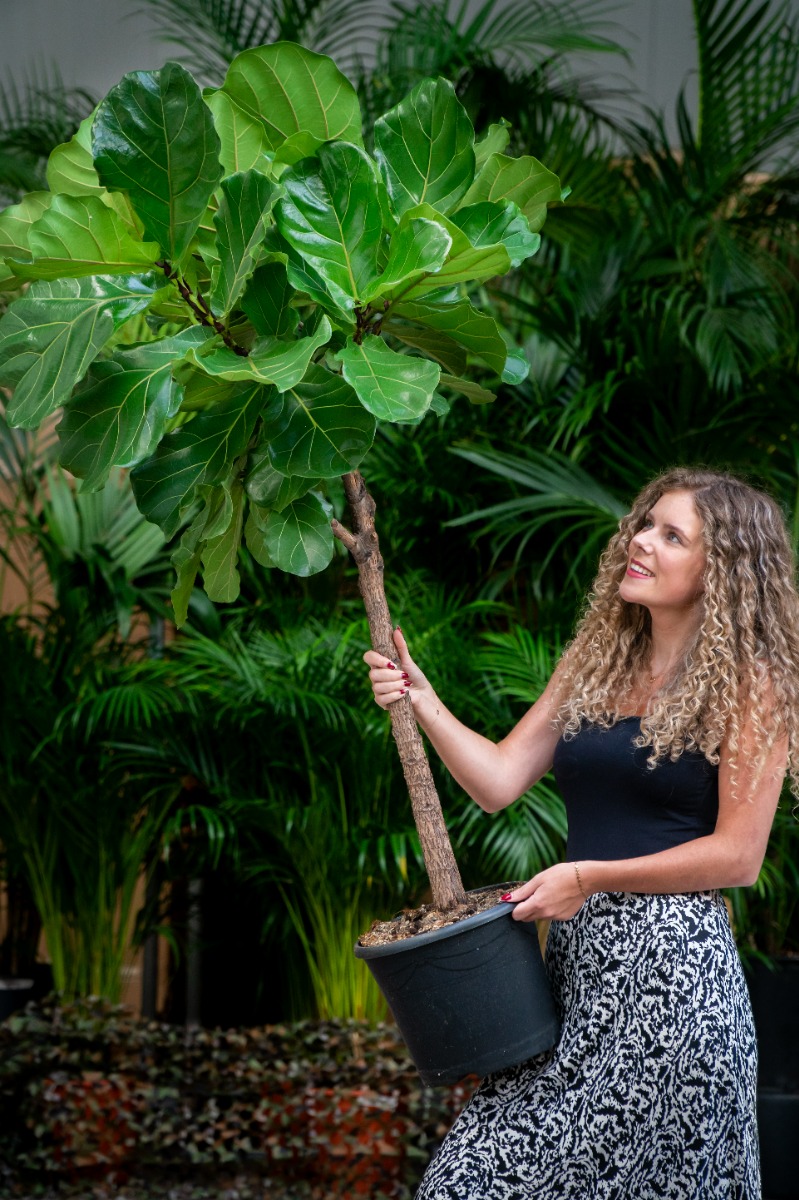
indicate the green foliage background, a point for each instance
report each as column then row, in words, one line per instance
column 659, row 322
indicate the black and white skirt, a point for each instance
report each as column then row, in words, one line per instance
column 650, row 1092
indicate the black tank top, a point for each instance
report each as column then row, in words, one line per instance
column 617, row 807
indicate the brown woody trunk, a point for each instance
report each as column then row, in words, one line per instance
column 361, row 541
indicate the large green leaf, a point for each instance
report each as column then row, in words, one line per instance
column 299, row 539
column 120, row 419
column 272, row 361
column 16, row 223
column 494, row 142
column 51, row 335
column 79, row 235
column 220, row 554
column 201, row 451
column 418, row 247
column 332, row 217
column 70, row 167
column 297, row 96
column 254, row 535
column 524, row 180
column 267, row 301
column 186, row 561
column 269, row 488
column 425, row 148
column 475, row 330
column 318, row 429
column 247, row 198
column 488, row 223
column 395, row 387
column 154, row 138
column 431, row 342
column 465, row 263
column 467, row 387
column 242, row 138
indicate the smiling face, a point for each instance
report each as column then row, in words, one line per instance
column 666, row 559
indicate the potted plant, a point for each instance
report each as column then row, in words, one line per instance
column 227, row 291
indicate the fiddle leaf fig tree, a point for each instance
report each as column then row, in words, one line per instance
column 293, row 288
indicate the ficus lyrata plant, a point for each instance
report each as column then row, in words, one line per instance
column 292, row 289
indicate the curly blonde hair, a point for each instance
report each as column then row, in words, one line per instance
column 744, row 659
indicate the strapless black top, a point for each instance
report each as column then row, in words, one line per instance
column 617, row 807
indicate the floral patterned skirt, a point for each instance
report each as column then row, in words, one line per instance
column 650, row 1092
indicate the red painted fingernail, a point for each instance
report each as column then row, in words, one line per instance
column 405, row 675
column 507, row 896
column 391, row 666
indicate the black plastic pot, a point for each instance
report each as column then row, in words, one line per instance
column 471, row 998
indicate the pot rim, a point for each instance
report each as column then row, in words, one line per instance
column 417, row 940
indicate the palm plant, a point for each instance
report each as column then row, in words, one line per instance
column 76, row 837
column 673, row 338
column 36, row 114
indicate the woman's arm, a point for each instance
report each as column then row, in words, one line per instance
column 494, row 774
column 731, row 856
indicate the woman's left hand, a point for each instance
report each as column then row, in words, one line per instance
column 552, row 894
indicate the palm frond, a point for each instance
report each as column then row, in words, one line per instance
column 220, row 29
column 748, row 76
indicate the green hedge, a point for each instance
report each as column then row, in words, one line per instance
column 87, row 1091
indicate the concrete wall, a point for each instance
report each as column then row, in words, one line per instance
column 97, row 41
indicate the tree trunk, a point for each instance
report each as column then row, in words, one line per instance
column 362, row 543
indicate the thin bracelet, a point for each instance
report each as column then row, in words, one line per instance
column 579, row 881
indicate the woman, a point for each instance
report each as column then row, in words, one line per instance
column 670, row 721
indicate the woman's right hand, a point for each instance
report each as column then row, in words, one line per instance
column 390, row 682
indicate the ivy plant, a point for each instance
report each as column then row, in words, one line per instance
column 292, row 289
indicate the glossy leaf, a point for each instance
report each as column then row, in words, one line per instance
column 71, row 172
column 331, row 215
column 488, row 223
column 294, row 93
column 267, row 302
column 246, row 201
column 272, row 361
column 242, row 139
column 70, row 167
column 474, row 330
column 154, row 138
column 394, row 387
column 220, row 554
column 432, row 343
column 425, row 148
column 516, row 368
column 118, row 420
column 418, row 248
column 467, row 387
column 254, row 535
column 16, row 223
column 464, row 263
column 52, row 334
column 318, row 429
column 525, row 181
column 299, row 539
column 201, row 451
column 79, row 235
column 494, row 142
column 266, row 486
column 186, row 561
